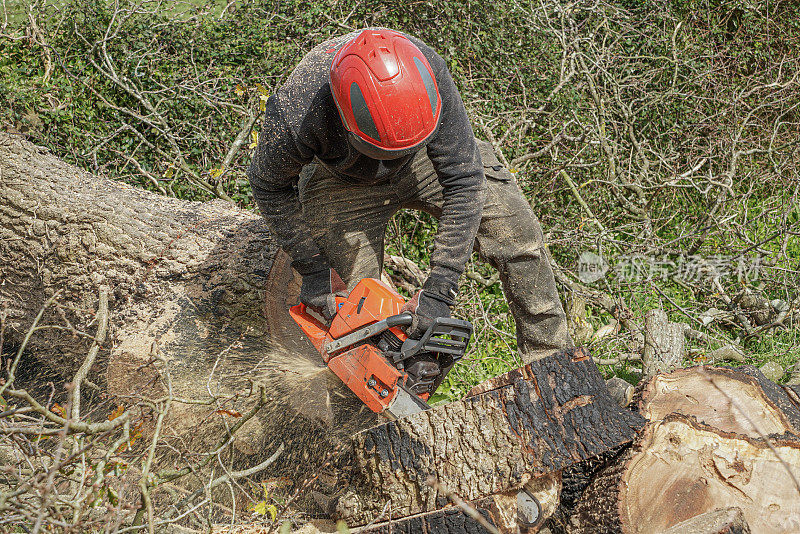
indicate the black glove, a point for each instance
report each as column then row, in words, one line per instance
column 433, row 300
column 320, row 286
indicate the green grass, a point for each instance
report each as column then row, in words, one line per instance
column 16, row 11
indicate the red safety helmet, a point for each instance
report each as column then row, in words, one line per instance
column 386, row 93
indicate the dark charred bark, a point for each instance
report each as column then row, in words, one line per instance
column 575, row 480
column 533, row 421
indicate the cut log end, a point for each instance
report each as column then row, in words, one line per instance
column 680, row 468
column 728, row 399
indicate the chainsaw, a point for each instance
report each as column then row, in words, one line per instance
column 366, row 347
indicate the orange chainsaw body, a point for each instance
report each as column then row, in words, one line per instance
column 362, row 368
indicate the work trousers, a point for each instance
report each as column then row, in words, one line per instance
column 348, row 222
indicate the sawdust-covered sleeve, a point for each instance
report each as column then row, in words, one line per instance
column 273, row 176
column 455, row 156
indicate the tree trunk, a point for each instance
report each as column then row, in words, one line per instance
column 531, row 422
column 198, row 298
column 732, row 400
column 717, row 437
column 167, row 262
column 186, row 283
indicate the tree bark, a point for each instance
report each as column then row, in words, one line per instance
column 663, row 343
column 450, row 520
column 531, row 422
column 186, row 284
column 63, row 228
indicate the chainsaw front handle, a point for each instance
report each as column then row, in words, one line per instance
column 403, row 319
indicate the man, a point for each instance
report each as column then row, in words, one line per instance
column 367, row 124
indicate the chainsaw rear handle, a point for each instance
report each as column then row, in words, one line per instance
column 445, row 336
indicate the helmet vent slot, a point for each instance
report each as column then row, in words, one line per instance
column 361, row 112
column 430, row 86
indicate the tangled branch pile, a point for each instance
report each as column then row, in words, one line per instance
column 64, row 469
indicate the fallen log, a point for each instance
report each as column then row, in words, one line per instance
column 717, row 437
column 186, row 286
column 505, row 513
column 531, row 422
column 188, row 321
column 449, row 520
column 732, row 400
column 509, row 512
column 680, row 468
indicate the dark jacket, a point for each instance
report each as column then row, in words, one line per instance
column 302, row 123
